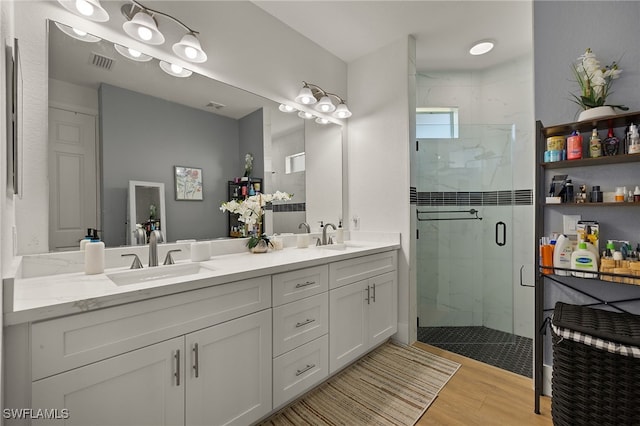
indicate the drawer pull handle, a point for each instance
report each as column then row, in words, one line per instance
column 373, row 297
column 304, row 370
column 196, row 365
column 305, row 322
column 177, row 373
column 368, row 298
column 305, row 284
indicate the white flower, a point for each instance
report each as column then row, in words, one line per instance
column 594, row 80
column 250, row 210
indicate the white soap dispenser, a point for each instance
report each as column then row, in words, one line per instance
column 94, row 255
column 86, row 239
column 340, row 233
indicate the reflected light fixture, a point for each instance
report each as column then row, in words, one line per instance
column 174, row 70
column 312, row 94
column 90, row 9
column 77, row 34
column 129, row 53
column 481, row 47
column 305, row 115
column 286, row 108
column 321, row 120
column 142, row 25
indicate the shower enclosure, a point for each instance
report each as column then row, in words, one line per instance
column 464, row 245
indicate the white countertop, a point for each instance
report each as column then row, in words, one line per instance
column 44, row 297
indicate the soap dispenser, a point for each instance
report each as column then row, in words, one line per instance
column 94, row 255
column 86, row 239
column 340, row 233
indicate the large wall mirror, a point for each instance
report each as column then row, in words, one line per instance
column 113, row 120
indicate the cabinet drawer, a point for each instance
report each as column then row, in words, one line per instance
column 69, row 342
column 350, row 271
column 299, row 370
column 300, row 322
column 296, row 285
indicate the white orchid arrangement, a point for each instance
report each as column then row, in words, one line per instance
column 250, row 211
column 595, row 81
column 248, row 164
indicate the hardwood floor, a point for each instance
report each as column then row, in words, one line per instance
column 480, row 394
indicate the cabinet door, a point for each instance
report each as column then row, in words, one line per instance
column 347, row 324
column 229, row 372
column 137, row 388
column 383, row 309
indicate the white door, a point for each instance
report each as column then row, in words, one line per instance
column 72, row 177
column 137, row 388
column 229, row 372
column 383, row 309
column 347, row 324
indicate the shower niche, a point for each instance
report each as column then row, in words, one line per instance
column 146, row 211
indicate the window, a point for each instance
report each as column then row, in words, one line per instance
column 437, row 123
column 294, row 163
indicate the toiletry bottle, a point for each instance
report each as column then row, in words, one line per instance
column 574, row 146
column 611, row 144
column 595, row 147
column 636, row 195
column 339, row 233
column 634, row 140
column 619, row 197
column 546, row 255
column 562, row 255
column 252, row 191
column 568, row 192
column 583, row 260
column 94, row 255
column 85, row 240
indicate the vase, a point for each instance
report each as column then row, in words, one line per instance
column 261, row 247
column 597, row 112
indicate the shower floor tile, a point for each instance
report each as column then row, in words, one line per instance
column 503, row 350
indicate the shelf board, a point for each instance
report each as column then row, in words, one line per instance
column 602, row 123
column 613, row 159
column 613, row 204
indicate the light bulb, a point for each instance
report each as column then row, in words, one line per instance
column 145, row 33
column 80, row 32
column 84, row 7
column 190, row 52
column 134, row 53
column 176, row 68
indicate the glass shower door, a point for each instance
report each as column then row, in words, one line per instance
column 464, row 246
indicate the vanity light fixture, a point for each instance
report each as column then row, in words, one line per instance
column 90, row 9
column 481, row 47
column 77, row 34
column 312, row 94
column 142, row 25
column 175, row 70
column 132, row 54
column 321, row 120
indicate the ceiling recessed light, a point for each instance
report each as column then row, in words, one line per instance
column 481, row 47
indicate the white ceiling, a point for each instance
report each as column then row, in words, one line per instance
column 444, row 30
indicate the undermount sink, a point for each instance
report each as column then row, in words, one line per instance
column 137, row 276
column 341, row 246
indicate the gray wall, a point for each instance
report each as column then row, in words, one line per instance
column 251, row 139
column 143, row 137
column 562, row 31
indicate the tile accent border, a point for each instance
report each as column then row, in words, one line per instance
column 288, row 207
column 515, row 197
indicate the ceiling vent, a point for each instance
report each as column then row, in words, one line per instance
column 101, row 61
column 215, row 105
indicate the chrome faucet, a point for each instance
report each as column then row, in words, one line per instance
column 306, row 226
column 324, row 232
column 154, row 238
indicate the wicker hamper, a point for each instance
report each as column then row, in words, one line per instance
column 596, row 367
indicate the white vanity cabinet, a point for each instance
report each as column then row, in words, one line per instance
column 214, row 368
column 363, row 306
column 300, row 327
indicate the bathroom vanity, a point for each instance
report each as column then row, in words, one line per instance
column 224, row 341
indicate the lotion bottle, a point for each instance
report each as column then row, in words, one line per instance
column 85, row 240
column 94, row 255
column 340, row 233
column 583, row 259
column 562, row 255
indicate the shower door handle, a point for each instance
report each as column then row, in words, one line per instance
column 499, row 241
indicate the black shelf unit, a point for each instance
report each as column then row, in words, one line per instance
column 239, row 190
column 619, row 124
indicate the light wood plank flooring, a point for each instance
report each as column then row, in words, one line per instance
column 480, row 394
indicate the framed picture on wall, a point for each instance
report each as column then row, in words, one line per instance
column 188, row 182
